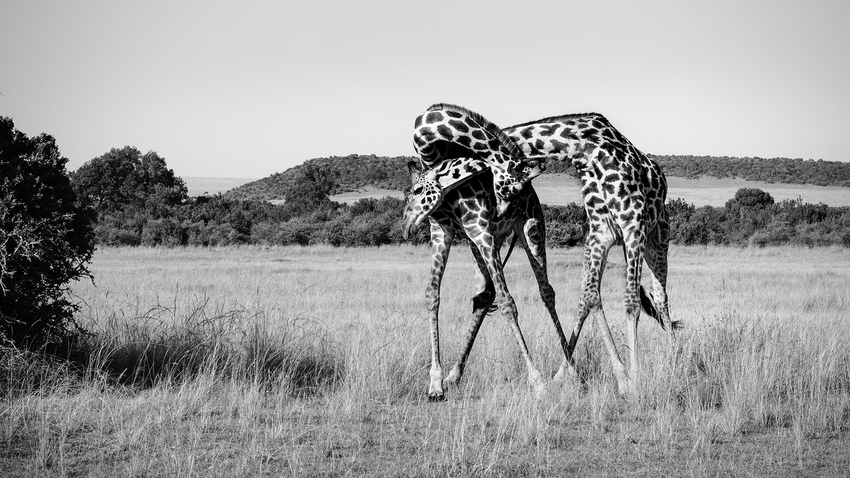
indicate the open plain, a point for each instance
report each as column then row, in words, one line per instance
column 313, row 361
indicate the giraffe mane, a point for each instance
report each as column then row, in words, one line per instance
column 551, row 119
column 488, row 125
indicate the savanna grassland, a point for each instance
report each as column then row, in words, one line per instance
column 313, row 361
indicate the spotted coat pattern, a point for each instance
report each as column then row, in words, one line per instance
column 624, row 194
column 469, row 209
column 445, row 132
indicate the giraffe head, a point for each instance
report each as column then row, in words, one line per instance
column 423, row 198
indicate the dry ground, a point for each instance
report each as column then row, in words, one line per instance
column 758, row 384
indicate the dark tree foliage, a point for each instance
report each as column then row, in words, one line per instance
column 771, row 170
column 354, row 171
column 46, row 240
column 310, row 190
column 125, row 178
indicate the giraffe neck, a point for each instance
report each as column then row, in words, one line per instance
column 570, row 138
column 445, row 131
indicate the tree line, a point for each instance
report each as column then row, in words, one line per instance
column 139, row 201
column 356, row 171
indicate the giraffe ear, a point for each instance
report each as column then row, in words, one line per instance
column 414, row 167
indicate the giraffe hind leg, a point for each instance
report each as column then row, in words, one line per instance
column 597, row 245
column 656, row 260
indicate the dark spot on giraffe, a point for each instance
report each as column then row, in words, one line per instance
column 548, row 130
column 471, row 122
column 418, row 122
column 558, row 146
column 614, row 205
column 480, row 147
column 597, row 172
column 597, row 123
column 455, row 174
column 608, row 148
column 627, row 203
column 632, row 187
column 464, row 140
column 454, row 114
column 539, row 144
column 569, row 135
column 433, row 117
column 610, row 188
column 445, row 132
column 479, row 135
column 459, row 125
column 627, row 216
column 592, row 201
column 611, row 178
column 495, row 144
column 527, row 132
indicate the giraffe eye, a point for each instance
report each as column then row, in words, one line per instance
column 417, row 189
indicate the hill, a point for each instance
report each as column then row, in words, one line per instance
column 352, row 172
column 355, row 173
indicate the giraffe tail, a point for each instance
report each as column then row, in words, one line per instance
column 648, row 306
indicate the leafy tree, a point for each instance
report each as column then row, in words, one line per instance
column 311, row 190
column 125, row 178
column 46, row 240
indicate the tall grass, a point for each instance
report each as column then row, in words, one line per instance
column 313, row 362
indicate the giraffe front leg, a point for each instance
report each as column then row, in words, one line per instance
column 481, row 304
column 441, row 241
column 533, row 234
column 507, row 307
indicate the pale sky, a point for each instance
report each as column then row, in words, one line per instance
column 247, row 89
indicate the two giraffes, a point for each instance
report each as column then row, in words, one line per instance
column 474, row 178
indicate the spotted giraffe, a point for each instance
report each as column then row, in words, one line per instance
column 444, row 132
column 470, row 209
column 624, row 195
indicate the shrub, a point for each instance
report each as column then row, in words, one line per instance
column 46, row 241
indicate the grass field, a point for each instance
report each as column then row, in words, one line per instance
column 314, row 362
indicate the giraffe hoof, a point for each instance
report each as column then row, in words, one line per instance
column 436, row 397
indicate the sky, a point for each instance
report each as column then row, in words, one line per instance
column 250, row 88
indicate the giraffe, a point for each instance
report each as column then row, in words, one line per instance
column 445, row 131
column 470, row 209
column 624, row 193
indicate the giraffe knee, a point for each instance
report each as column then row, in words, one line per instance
column 632, row 307
column 508, row 310
column 591, row 300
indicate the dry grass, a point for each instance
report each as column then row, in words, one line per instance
column 313, row 362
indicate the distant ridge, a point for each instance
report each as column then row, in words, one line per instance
column 356, row 171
